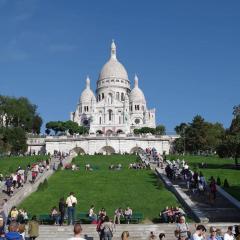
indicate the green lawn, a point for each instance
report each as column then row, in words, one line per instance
column 110, row 189
column 217, row 167
column 10, row 164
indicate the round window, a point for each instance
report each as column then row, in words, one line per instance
column 85, row 122
column 137, row 121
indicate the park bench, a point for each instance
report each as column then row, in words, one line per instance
column 83, row 217
column 137, row 217
column 45, row 219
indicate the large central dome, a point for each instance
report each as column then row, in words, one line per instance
column 113, row 68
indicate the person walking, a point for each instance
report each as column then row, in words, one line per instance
column 125, row 235
column 33, row 228
column 106, row 229
column 199, row 233
column 182, row 229
column 5, row 211
column 62, row 208
column 71, row 204
column 77, row 232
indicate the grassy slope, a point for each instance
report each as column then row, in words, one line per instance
column 104, row 188
column 217, row 167
column 10, row 164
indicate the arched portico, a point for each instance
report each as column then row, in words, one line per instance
column 119, row 131
column 109, row 132
column 107, row 150
column 136, row 150
column 100, row 132
column 78, row 151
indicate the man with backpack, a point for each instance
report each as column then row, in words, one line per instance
column 106, row 229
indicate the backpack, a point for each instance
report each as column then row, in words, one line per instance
column 106, row 230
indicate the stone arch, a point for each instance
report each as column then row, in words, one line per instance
column 99, row 132
column 119, row 131
column 109, row 132
column 78, row 151
column 136, row 150
column 107, row 150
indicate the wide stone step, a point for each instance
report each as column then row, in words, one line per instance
column 137, row 231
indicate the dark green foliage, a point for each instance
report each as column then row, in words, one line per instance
column 230, row 145
column 198, row 136
column 68, row 126
column 40, row 187
column 18, row 116
column 226, row 184
column 219, row 181
column 159, row 130
column 43, row 186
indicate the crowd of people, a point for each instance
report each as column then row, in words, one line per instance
column 21, row 176
column 17, row 229
column 66, row 210
column 171, row 214
column 195, row 181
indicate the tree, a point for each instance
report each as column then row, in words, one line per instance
column 16, row 139
column 18, row 112
column 198, row 135
column 37, row 123
column 160, row 130
column 230, row 145
column 18, row 116
column 70, row 126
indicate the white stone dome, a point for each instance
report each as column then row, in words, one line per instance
column 136, row 94
column 87, row 94
column 113, row 68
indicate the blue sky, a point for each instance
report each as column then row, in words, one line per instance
column 186, row 53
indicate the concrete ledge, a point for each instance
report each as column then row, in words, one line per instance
column 229, row 197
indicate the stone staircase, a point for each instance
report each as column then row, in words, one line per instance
column 20, row 194
column 136, row 231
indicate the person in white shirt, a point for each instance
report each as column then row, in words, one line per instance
column 229, row 234
column 200, row 233
column 77, row 232
column 71, row 203
column 128, row 214
column 92, row 215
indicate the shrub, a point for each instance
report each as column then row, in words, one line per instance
column 219, row 181
column 160, row 184
column 45, row 184
column 226, row 184
column 40, row 187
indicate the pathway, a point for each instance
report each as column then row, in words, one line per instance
column 20, row 194
column 221, row 211
column 136, row 231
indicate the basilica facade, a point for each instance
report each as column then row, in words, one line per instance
column 116, row 108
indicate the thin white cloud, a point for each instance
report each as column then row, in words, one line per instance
column 12, row 52
column 55, row 48
column 12, row 55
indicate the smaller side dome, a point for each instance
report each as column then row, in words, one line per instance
column 87, row 94
column 136, row 94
